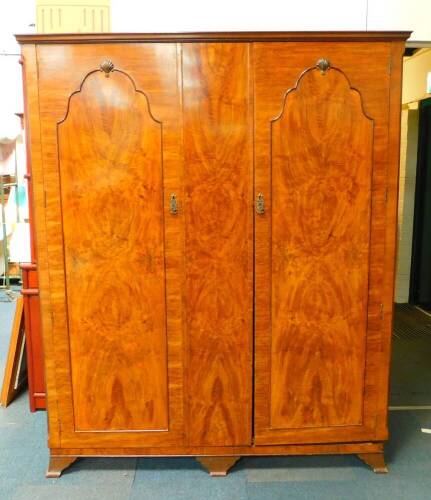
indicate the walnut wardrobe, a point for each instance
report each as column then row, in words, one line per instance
column 215, row 225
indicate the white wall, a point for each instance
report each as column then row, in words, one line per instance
column 240, row 15
column 243, row 15
column 416, row 69
column 16, row 16
column 224, row 15
column 401, row 15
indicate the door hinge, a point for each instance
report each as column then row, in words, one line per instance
column 381, row 311
column 44, row 198
column 390, row 66
column 386, row 194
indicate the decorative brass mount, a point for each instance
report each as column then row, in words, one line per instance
column 107, row 66
column 323, row 65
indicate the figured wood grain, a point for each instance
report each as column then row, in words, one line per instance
column 130, row 389
column 373, row 68
column 218, row 243
column 321, row 165
column 319, row 249
column 111, row 171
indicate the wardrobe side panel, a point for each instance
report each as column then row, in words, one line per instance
column 34, row 148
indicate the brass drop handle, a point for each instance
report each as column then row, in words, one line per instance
column 173, row 204
column 260, row 204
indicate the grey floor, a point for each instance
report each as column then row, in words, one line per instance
column 411, row 357
column 23, row 459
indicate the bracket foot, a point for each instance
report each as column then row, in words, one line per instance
column 376, row 461
column 217, row 466
column 57, row 464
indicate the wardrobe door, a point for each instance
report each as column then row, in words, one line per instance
column 218, row 209
column 111, row 141
column 321, row 139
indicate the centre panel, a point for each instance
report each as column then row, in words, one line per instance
column 219, row 242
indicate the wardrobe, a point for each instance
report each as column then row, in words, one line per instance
column 215, row 232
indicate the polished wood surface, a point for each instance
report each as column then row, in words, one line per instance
column 216, row 103
column 216, row 459
column 33, row 337
column 118, row 353
column 304, row 449
column 392, row 180
column 218, row 243
column 33, row 130
column 321, row 161
column 319, row 249
column 239, row 36
column 217, row 466
column 33, row 327
column 57, row 464
column 110, row 150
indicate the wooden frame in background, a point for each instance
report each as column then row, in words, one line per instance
column 15, row 374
